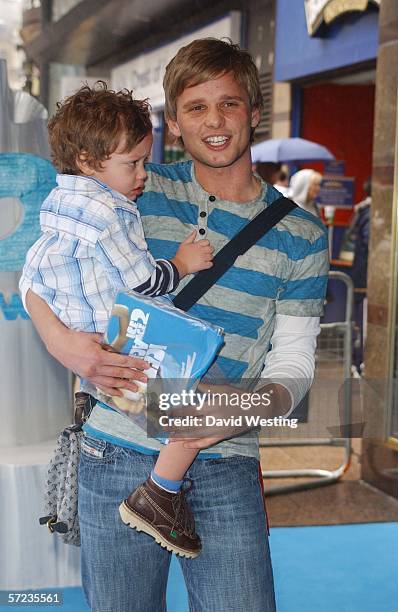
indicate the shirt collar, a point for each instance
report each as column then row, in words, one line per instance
column 261, row 197
column 87, row 184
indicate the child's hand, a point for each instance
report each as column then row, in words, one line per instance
column 193, row 256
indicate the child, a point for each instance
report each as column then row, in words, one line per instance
column 93, row 246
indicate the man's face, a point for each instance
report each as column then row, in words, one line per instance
column 214, row 120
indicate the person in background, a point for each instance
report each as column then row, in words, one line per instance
column 359, row 235
column 282, row 184
column 269, row 171
column 304, row 188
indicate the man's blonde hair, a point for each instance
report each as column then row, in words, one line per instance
column 206, row 59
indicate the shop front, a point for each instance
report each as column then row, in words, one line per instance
column 330, row 63
column 346, row 100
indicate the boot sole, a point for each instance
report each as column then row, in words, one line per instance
column 130, row 518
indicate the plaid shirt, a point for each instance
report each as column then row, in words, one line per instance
column 92, row 246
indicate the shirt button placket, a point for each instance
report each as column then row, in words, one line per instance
column 202, row 219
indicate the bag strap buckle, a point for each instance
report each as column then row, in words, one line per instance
column 84, row 403
column 53, row 524
column 51, row 521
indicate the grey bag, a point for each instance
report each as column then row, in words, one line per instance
column 61, row 503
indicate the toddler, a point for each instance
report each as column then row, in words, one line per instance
column 93, row 245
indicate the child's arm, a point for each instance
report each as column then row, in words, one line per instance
column 193, row 256
column 129, row 264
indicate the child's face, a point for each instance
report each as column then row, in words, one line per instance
column 125, row 172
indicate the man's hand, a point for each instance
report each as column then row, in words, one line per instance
column 229, row 415
column 205, row 433
column 83, row 352
column 86, row 356
column 200, row 443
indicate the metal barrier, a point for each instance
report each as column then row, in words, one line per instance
column 334, row 347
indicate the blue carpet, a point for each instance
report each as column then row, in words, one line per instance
column 344, row 568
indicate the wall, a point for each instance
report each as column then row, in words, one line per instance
column 351, row 39
column 380, row 460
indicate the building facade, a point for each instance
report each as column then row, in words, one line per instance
column 336, row 79
column 330, row 69
column 380, row 452
column 128, row 43
column 326, row 74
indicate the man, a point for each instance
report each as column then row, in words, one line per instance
column 269, row 171
column 273, row 295
column 358, row 232
column 282, row 183
column 359, row 229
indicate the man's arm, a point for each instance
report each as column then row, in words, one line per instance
column 287, row 376
column 298, row 309
column 290, row 365
column 83, row 352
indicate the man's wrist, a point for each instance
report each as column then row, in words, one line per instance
column 281, row 398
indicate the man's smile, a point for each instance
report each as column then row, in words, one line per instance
column 217, row 142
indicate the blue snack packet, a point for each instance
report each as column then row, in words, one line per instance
column 179, row 347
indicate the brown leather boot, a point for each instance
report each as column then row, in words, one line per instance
column 165, row 516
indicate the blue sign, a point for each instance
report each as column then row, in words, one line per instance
column 334, row 167
column 351, row 39
column 12, row 308
column 29, row 179
column 337, row 192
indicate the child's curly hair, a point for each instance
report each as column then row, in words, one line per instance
column 91, row 124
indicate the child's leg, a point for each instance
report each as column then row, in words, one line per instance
column 158, row 506
column 172, row 464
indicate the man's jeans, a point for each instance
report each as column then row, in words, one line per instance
column 126, row 571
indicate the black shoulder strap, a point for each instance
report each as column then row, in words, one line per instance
column 238, row 245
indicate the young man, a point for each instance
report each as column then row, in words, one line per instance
column 272, row 295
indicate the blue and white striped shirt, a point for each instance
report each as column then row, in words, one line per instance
column 283, row 276
column 92, row 246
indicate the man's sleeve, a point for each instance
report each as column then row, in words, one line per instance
column 299, row 305
column 305, row 277
column 291, row 362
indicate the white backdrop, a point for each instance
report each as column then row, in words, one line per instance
column 35, row 391
column 30, row 556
